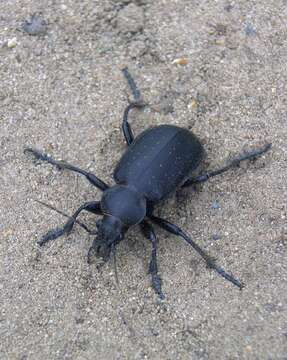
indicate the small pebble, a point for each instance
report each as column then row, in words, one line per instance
column 12, row 43
column 248, row 348
column 180, row 61
column 193, row 104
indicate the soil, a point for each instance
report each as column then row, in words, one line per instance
column 62, row 91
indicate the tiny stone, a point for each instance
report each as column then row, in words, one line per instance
column 180, row 61
column 12, row 43
column 193, row 104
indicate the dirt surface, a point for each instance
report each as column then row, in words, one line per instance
column 62, row 91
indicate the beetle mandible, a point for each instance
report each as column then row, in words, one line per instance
column 156, row 163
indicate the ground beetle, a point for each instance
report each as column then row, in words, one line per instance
column 156, row 163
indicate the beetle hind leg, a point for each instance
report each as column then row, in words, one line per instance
column 251, row 155
column 127, row 131
column 136, row 103
column 132, row 85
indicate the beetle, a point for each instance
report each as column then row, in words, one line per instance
column 157, row 162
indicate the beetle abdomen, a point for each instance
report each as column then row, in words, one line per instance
column 159, row 160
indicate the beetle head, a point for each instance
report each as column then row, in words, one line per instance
column 110, row 233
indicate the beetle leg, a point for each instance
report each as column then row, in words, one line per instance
column 93, row 206
column 94, row 180
column 174, row 229
column 233, row 163
column 149, row 233
column 66, row 215
column 137, row 103
column 134, row 89
column 128, row 134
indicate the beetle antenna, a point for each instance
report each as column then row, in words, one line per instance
column 64, row 214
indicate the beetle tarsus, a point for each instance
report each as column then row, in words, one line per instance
column 91, row 254
column 212, row 265
column 67, row 216
column 38, row 154
column 134, row 89
column 56, row 233
column 51, row 235
column 156, row 284
column 92, row 206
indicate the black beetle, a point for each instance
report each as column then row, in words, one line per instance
column 156, row 163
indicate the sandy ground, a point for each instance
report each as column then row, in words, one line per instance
column 62, row 91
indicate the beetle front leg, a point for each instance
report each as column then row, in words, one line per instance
column 66, row 215
column 149, row 233
column 174, row 229
column 93, row 206
column 233, row 163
